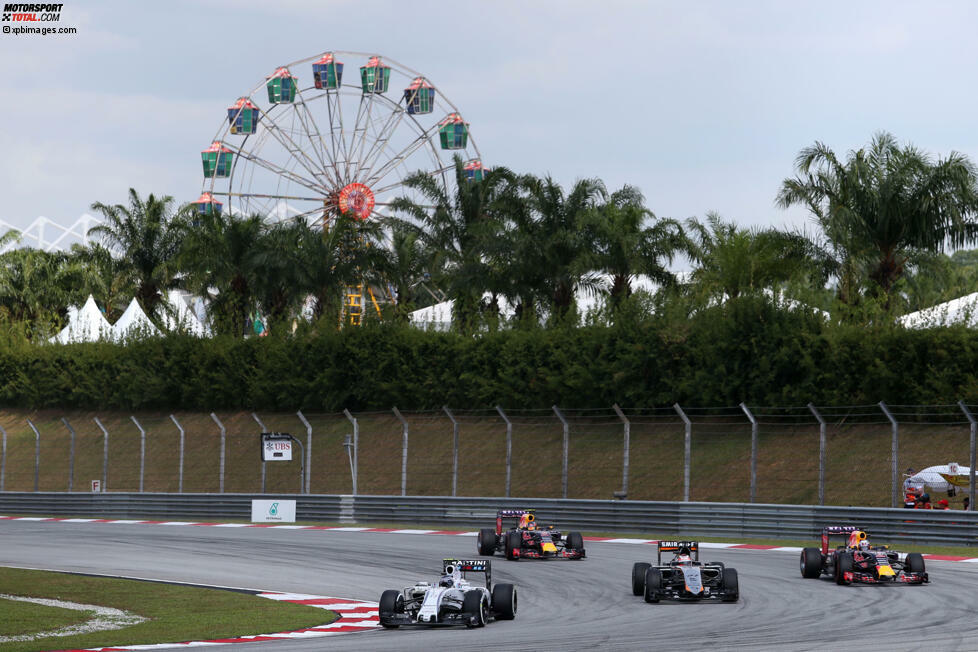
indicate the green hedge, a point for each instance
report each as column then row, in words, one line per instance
column 746, row 350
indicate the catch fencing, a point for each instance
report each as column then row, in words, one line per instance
column 656, row 519
column 845, row 455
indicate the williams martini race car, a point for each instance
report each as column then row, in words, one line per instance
column 684, row 577
column 858, row 561
column 452, row 600
column 526, row 540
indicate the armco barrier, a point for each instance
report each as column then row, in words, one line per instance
column 713, row 520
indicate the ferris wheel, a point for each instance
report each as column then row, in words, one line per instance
column 308, row 142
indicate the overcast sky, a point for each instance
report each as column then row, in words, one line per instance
column 702, row 105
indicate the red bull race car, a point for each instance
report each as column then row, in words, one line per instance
column 859, row 561
column 525, row 540
column 684, row 577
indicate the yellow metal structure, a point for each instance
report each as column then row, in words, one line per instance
column 354, row 304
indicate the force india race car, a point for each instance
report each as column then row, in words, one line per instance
column 684, row 577
column 858, row 561
column 527, row 541
column 452, row 600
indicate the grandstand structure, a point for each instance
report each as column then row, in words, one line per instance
column 48, row 235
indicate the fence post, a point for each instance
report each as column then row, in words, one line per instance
column 142, row 452
column 753, row 451
column 182, row 440
column 687, row 450
column 894, row 472
column 105, row 453
column 628, row 438
column 308, row 426
column 404, row 450
column 971, row 473
column 509, row 447
column 71, row 455
column 37, row 452
column 263, row 429
column 821, row 454
column 223, row 435
column 563, row 471
column 454, row 449
column 3, row 458
column 354, row 462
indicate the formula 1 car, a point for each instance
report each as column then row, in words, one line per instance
column 452, row 600
column 858, row 561
column 527, row 541
column 684, row 577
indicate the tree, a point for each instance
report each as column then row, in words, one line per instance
column 223, row 254
column 630, row 240
column 562, row 234
column 731, row 261
column 884, row 203
column 460, row 229
column 146, row 235
column 345, row 253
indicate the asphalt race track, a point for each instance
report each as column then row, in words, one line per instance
column 566, row 605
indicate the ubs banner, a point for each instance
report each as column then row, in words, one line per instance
column 273, row 511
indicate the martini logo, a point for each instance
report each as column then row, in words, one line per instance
column 31, row 13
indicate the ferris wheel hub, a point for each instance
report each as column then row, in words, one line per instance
column 357, row 199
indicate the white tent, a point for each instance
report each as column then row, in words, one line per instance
column 182, row 317
column 133, row 323
column 963, row 310
column 85, row 325
column 932, row 477
column 434, row 318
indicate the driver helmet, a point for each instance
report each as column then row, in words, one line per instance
column 683, row 557
column 526, row 522
column 446, row 581
column 856, row 537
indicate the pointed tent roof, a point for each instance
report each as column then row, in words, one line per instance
column 182, row 317
column 85, row 325
column 133, row 323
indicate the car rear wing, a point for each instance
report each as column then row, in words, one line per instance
column 449, row 566
column 676, row 546
column 511, row 513
column 828, row 530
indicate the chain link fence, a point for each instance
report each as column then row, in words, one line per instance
column 834, row 455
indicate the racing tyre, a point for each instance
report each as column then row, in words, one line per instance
column 391, row 602
column 575, row 542
column 487, row 542
column 843, row 565
column 653, row 584
column 474, row 605
column 731, row 587
column 811, row 563
column 513, row 543
column 638, row 577
column 915, row 562
column 504, row 601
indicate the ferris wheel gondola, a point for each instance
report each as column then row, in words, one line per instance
column 291, row 150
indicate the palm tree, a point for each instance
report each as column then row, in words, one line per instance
column 409, row 264
column 627, row 245
column 562, row 231
column 103, row 276
column 731, row 261
column 885, row 202
column 461, row 229
column 346, row 253
column 36, row 287
column 147, row 236
column 223, row 253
